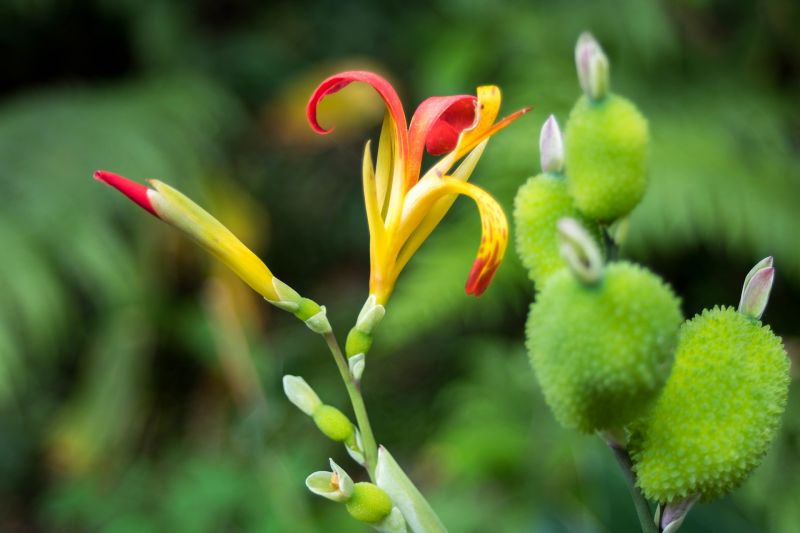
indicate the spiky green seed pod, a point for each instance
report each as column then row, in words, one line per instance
column 540, row 203
column 369, row 503
column 602, row 352
column 607, row 150
column 719, row 410
column 333, row 423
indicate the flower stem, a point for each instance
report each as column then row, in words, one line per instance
column 642, row 508
column 357, row 400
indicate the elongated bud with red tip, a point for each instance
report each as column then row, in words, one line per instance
column 174, row 208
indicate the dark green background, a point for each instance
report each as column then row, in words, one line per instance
column 127, row 402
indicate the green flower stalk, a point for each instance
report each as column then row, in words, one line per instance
column 607, row 142
column 721, row 408
column 601, row 340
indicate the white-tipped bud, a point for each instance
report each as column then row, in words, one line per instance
column 318, row 323
column 757, row 288
column 593, row 67
column 335, row 485
column 357, row 364
column 301, row 394
column 370, row 316
column 580, row 251
column 551, row 146
column 355, row 448
column 673, row 514
column 394, row 523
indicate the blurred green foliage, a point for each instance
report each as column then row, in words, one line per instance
column 126, row 394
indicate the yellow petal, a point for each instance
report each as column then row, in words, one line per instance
column 417, row 231
column 178, row 210
column 494, row 225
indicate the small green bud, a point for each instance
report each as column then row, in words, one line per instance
column 602, row 352
column 357, row 342
column 607, row 151
column 333, row 423
column 540, row 203
column 301, row 394
column 719, row 410
column 369, row 503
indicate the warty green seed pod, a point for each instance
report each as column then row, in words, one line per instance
column 540, row 203
column 602, row 352
column 607, row 152
column 719, row 410
column 333, row 423
column 369, row 503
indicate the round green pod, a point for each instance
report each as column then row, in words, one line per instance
column 607, row 150
column 719, row 410
column 333, row 423
column 369, row 503
column 602, row 352
column 540, row 203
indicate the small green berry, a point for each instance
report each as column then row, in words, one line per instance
column 602, row 352
column 369, row 503
column 333, row 423
column 607, row 145
column 719, row 410
column 540, row 203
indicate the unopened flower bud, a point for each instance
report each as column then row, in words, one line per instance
column 593, row 67
column 369, row 503
column 551, row 146
column 580, row 251
column 673, row 514
column 335, row 485
column 301, row 394
column 756, row 289
column 333, row 423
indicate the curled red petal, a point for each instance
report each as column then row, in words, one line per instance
column 339, row 81
column 135, row 191
column 435, row 127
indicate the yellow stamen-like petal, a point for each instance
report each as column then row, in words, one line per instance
column 494, row 238
column 417, row 234
column 175, row 208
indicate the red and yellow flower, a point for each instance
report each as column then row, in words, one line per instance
column 404, row 207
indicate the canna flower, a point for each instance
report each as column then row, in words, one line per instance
column 174, row 208
column 403, row 207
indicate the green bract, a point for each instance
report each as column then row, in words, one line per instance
column 602, row 352
column 538, row 206
column 369, row 503
column 607, row 144
column 718, row 412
